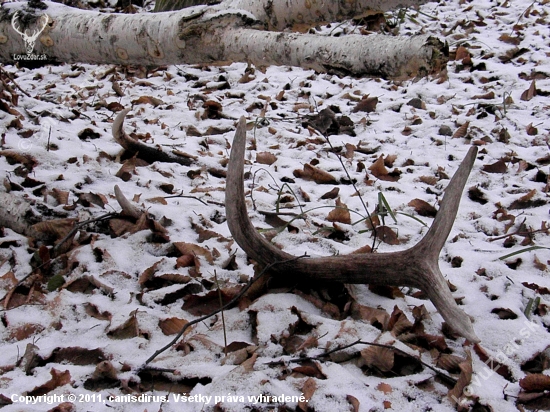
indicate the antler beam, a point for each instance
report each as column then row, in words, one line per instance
column 416, row 267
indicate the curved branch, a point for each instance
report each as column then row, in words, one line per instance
column 148, row 153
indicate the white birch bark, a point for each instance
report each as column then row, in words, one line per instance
column 206, row 34
column 281, row 14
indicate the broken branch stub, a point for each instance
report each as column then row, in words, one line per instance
column 416, row 267
column 148, row 153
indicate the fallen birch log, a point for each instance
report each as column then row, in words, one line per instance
column 203, row 35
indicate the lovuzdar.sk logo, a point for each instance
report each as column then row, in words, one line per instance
column 30, row 39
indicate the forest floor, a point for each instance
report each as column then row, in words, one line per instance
column 79, row 322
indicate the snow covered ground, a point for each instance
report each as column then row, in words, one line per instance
column 116, row 295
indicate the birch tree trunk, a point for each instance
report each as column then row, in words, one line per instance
column 278, row 14
column 207, row 34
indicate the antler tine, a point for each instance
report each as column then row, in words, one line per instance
column 434, row 240
column 411, row 267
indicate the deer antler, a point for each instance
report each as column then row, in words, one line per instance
column 417, row 266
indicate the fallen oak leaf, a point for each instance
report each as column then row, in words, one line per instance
column 423, row 208
column 530, row 92
column 319, row 176
column 378, row 358
column 535, row 382
column 466, row 370
column 367, row 104
column 497, row 167
column 340, row 213
column 462, row 131
column 58, row 379
column 309, row 388
column 172, row 326
column 154, row 101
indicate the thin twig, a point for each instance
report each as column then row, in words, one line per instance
column 439, row 373
column 223, row 316
column 186, row 196
column 356, row 191
column 226, row 306
column 80, row 225
column 14, row 82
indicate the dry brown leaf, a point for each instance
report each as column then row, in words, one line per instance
column 350, row 151
column 367, row 104
column 532, row 130
column 378, row 168
column 8, row 281
column 462, row 53
column 311, row 369
column 14, row 157
column 148, row 100
column 489, row 360
column 497, row 167
column 194, row 250
column 489, row 95
column 127, row 170
column 128, row 330
column 354, row 402
column 202, row 305
column 462, row 131
column 212, row 110
column 58, row 379
column 319, row 176
column 379, row 358
column 172, row 326
column 423, row 208
column 57, row 228
column 530, row 92
column 93, row 311
column 87, row 199
column 185, row 261
column 535, row 382
column 398, row 322
column 61, row 196
column 464, row 379
column 25, row 331
column 386, row 235
column 384, row 387
column 527, row 201
column 148, row 273
column 429, row 180
column 539, row 265
column 340, row 213
column 376, row 317
column 333, row 194
column 158, row 200
column 266, row 158
column 76, row 355
column 115, row 107
column 362, row 249
column 309, row 388
column 450, row 363
column 506, row 38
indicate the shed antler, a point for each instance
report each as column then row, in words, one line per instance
column 417, row 266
